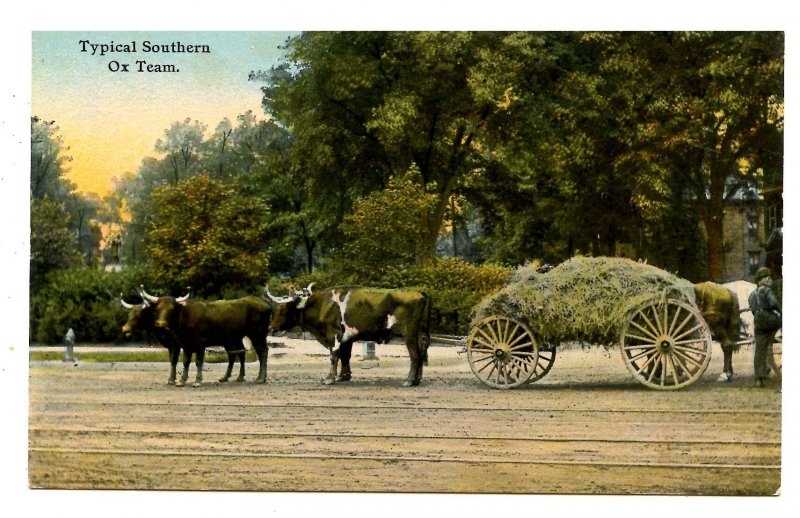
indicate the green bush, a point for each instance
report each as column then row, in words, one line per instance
column 84, row 299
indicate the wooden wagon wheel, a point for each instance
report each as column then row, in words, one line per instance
column 666, row 345
column 775, row 353
column 545, row 361
column 502, row 352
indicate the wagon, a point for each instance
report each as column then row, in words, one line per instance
column 662, row 337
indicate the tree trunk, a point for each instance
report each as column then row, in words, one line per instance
column 713, row 220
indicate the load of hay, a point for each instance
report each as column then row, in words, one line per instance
column 585, row 299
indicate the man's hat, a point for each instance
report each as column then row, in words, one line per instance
column 763, row 272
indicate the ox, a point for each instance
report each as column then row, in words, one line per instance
column 195, row 325
column 337, row 317
column 142, row 316
column 720, row 308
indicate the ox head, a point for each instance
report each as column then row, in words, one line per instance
column 140, row 316
column 288, row 309
column 164, row 309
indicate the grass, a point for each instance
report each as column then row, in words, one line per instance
column 121, row 355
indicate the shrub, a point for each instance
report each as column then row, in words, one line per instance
column 85, row 300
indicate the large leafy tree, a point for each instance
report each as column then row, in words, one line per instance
column 202, row 233
column 366, row 106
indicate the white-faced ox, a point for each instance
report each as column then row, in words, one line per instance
column 337, row 317
column 195, row 325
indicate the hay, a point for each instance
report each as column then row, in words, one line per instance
column 585, row 299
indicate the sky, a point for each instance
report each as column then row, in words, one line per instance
column 111, row 119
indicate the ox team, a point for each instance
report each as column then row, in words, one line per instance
column 336, row 317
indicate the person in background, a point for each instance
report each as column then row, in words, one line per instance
column 766, row 310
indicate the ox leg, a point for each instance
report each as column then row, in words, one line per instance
column 198, row 379
column 231, row 360
column 415, row 369
column 174, row 354
column 187, row 361
column 330, row 379
column 241, row 355
column 727, row 366
column 263, row 359
column 345, row 351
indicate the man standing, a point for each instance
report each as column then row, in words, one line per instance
column 766, row 310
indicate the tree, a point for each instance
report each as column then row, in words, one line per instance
column 181, row 145
column 364, row 107
column 48, row 161
column 716, row 117
column 386, row 230
column 52, row 243
column 202, row 233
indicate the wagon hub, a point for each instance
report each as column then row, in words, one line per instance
column 665, row 344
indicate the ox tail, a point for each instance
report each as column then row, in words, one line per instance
column 734, row 321
column 425, row 329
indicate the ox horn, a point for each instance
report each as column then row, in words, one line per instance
column 277, row 300
column 307, row 289
column 146, row 296
column 123, row 303
column 183, row 299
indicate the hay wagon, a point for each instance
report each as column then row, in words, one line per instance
column 648, row 313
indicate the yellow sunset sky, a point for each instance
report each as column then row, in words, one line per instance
column 111, row 120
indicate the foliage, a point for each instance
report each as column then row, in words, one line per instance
column 52, row 243
column 48, row 161
column 386, row 231
column 84, row 299
column 584, row 299
column 201, row 233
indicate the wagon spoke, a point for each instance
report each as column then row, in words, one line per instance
column 640, row 338
column 674, row 372
column 688, row 358
column 492, row 363
column 486, row 345
column 683, row 324
column 519, row 337
column 650, row 350
column 484, row 358
column 690, row 331
column 653, row 369
column 657, row 320
column 489, row 339
column 676, row 359
column 645, row 331
column 649, row 324
column 646, row 363
column 524, row 345
column 692, row 341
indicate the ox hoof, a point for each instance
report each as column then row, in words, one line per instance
column 223, row 380
column 170, row 382
column 196, row 384
column 180, row 384
column 343, row 377
column 327, row 381
column 259, row 380
column 241, row 379
column 725, row 378
column 408, row 383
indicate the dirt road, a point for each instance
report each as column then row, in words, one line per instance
column 586, row 428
